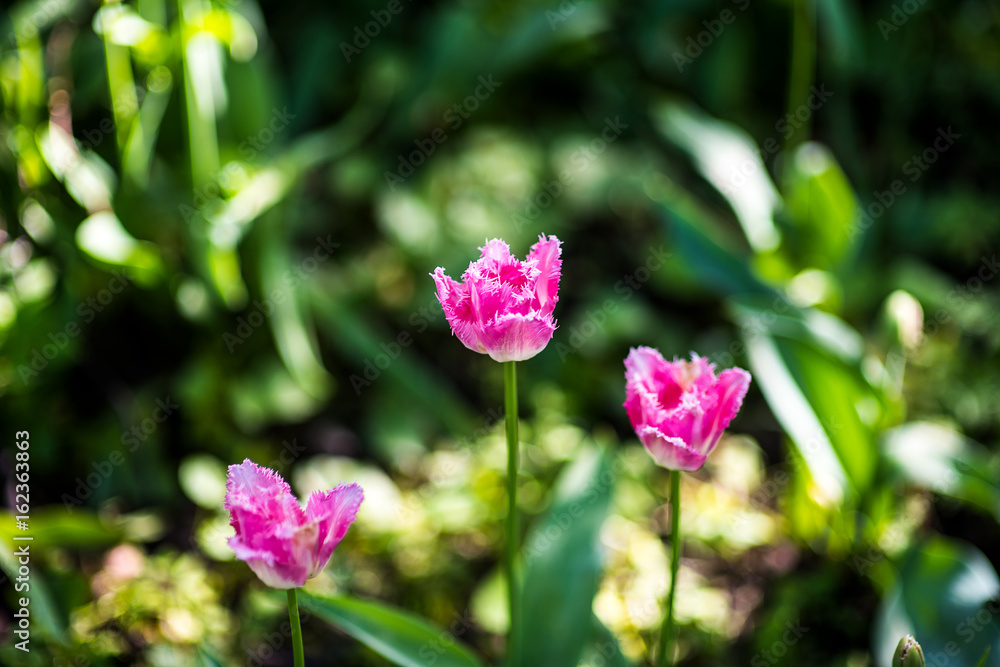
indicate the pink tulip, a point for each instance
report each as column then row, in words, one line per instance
column 282, row 543
column 679, row 409
column 504, row 306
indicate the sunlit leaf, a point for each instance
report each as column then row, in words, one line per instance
column 103, row 237
column 730, row 160
column 820, row 201
column 807, row 365
column 56, row 526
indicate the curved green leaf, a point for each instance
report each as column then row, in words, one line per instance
column 397, row 635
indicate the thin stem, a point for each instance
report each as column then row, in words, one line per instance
column 513, row 589
column 667, row 632
column 293, row 617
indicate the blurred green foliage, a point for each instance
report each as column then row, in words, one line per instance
column 216, row 224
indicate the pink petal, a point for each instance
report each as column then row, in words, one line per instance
column 449, row 292
column 730, row 390
column 680, row 409
column 497, row 252
column 275, row 569
column 504, row 306
column 669, row 452
column 277, row 539
column 250, row 478
column 333, row 512
column 545, row 255
column 457, row 302
column 642, row 362
column 251, row 489
column 516, row 337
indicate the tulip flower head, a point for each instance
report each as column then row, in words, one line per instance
column 679, row 409
column 504, row 306
column 282, row 543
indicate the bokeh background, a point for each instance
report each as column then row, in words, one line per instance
column 217, row 221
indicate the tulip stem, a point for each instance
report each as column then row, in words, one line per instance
column 667, row 633
column 293, row 617
column 513, row 590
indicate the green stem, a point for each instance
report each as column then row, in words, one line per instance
column 666, row 634
column 510, row 407
column 293, row 617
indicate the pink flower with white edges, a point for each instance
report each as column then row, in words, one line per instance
column 679, row 409
column 504, row 306
column 282, row 543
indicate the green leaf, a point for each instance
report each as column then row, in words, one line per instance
column 821, row 203
column 807, row 366
column 397, row 635
column 941, row 459
column 55, row 526
column 44, row 612
column 730, row 160
column 207, row 658
column 944, row 596
column 603, row 648
column 563, row 565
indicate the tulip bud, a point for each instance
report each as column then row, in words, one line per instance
column 908, row 653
